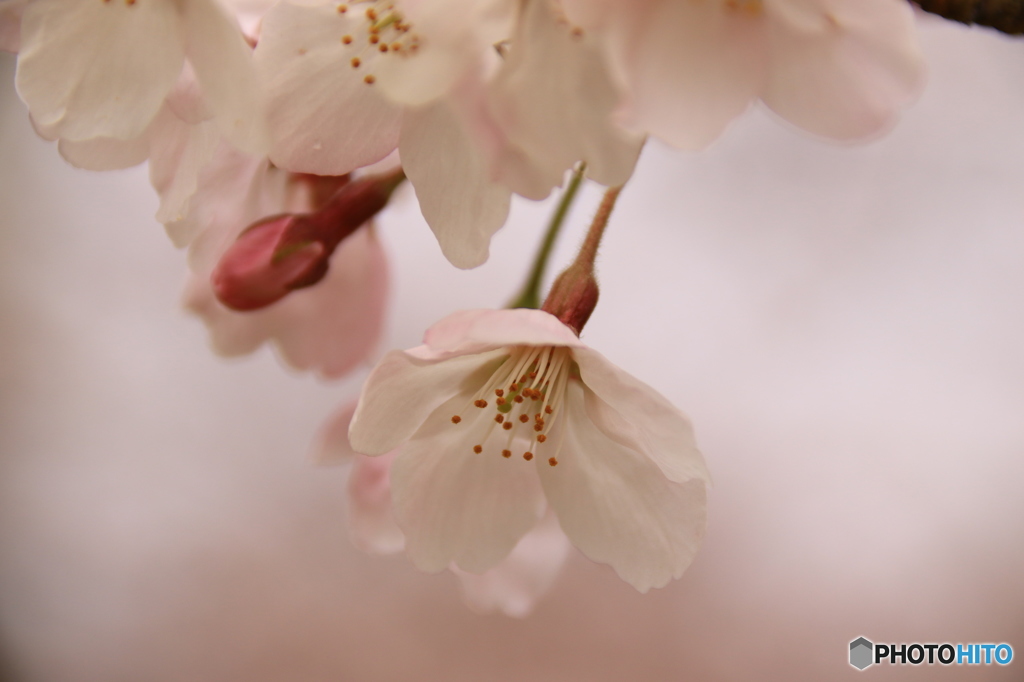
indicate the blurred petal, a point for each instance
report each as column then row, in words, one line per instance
column 616, row 505
column 554, row 99
column 461, row 205
column 105, row 153
column 371, row 522
column 223, row 65
column 842, row 68
column 523, row 577
column 178, row 154
column 98, row 69
column 331, row 444
column 692, row 68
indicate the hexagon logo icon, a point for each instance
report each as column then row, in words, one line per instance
column 861, row 651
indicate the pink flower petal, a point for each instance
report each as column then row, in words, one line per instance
column 371, row 521
column 476, row 331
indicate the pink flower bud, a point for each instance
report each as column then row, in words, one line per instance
column 255, row 271
column 282, row 253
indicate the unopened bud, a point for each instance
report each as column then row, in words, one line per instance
column 280, row 254
column 254, row 272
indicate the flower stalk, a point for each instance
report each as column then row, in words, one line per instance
column 574, row 294
column 529, row 296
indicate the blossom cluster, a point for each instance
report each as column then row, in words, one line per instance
column 276, row 132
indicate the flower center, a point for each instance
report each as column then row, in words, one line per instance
column 526, row 394
column 381, row 31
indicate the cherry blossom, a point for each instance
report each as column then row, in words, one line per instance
column 103, row 68
column 426, row 78
column 512, row 587
column 836, row 68
column 504, row 413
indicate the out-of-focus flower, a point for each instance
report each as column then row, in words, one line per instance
column 471, row 127
column 10, row 24
column 90, row 68
column 512, row 587
column 837, row 68
column 504, row 413
column 330, row 327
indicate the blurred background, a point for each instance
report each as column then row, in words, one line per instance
column 844, row 325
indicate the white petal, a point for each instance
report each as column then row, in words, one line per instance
column 98, row 69
column 842, row 68
column 554, row 98
column 323, row 118
column 455, row 505
column 223, row 64
column 178, row 154
column 371, row 521
column 523, row 577
column 105, row 153
column 403, row 390
column 331, row 446
column 461, row 205
column 617, row 506
column 634, row 414
column 455, row 37
column 692, row 68
column 475, row 331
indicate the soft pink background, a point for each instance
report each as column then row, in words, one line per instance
column 845, row 326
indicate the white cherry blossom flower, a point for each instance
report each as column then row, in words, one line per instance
column 513, row 587
column 502, row 414
column 836, row 68
column 103, row 68
column 348, row 82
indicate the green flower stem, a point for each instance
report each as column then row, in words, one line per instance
column 529, row 296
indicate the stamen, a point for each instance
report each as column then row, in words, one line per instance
column 541, row 438
column 548, row 409
column 478, row 449
column 480, row 403
column 538, row 426
column 456, row 419
column 506, row 453
column 527, row 456
column 507, row 426
column 356, row 62
column 346, row 40
column 342, row 9
column 523, row 418
column 518, row 399
column 552, row 461
column 499, row 418
column 369, row 79
column 499, row 402
column 498, row 392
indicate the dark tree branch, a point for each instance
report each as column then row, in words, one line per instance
column 1003, row 15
